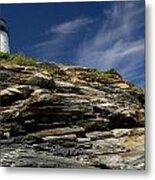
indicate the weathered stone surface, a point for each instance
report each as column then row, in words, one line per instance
column 9, row 95
column 21, row 157
column 99, row 135
column 67, row 116
column 41, row 80
column 70, row 137
column 59, row 131
column 5, row 75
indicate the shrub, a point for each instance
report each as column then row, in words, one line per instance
column 4, row 56
column 18, row 59
column 111, row 73
column 137, row 90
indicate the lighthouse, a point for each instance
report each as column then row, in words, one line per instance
column 4, row 37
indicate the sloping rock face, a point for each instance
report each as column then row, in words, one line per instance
column 69, row 117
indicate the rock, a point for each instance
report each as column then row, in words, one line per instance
column 39, row 92
column 66, row 116
column 30, row 158
column 5, row 115
column 6, row 135
column 25, row 89
column 18, row 130
column 14, row 90
column 45, row 98
column 62, row 84
column 122, row 85
column 5, row 75
column 83, row 140
column 121, row 132
column 127, row 132
column 60, row 131
column 31, row 139
column 107, row 146
column 13, row 94
column 99, row 135
column 90, row 91
column 69, row 137
column 121, row 150
column 41, row 80
column 126, row 117
column 97, row 124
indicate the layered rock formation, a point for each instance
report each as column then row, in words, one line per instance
column 54, row 115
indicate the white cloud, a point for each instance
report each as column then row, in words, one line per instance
column 58, row 38
column 117, row 43
column 70, row 26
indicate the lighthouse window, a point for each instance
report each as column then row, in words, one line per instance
column 2, row 28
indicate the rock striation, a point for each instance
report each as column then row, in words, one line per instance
column 54, row 115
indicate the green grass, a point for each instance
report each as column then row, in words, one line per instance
column 111, row 73
column 18, row 59
column 136, row 89
column 22, row 60
column 51, row 68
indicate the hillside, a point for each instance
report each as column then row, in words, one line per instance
column 54, row 115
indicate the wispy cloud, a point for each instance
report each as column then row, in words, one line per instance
column 113, row 39
column 70, row 26
column 118, row 42
column 59, row 38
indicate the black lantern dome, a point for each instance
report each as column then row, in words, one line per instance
column 3, row 25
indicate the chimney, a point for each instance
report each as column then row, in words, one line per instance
column 4, row 37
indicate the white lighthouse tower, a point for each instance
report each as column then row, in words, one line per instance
column 4, row 37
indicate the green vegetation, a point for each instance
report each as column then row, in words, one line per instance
column 22, row 60
column 136, row 89
column 111, row 73
column 18, row 59
column 51, row 68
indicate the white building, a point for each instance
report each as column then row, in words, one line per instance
column 4, row 37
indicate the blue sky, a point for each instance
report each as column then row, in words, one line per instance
column 101, row 35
